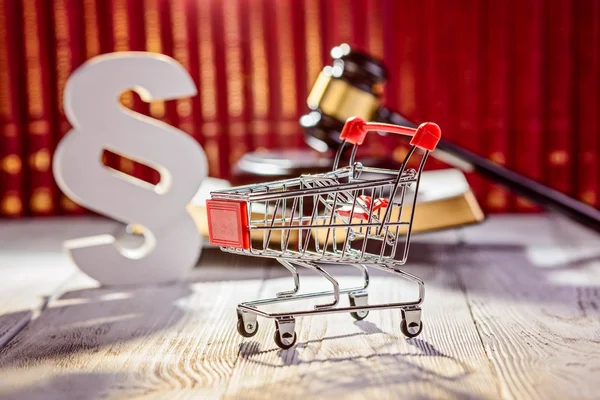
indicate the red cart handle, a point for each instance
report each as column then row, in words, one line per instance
column 425, row 137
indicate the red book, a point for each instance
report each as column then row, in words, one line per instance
column 210, row 127
column 401, row 58
column 330, row 32
column 234, row 80
column 191, row 18
column 375, row 13
column 397, row 35
column 340, row 31
column 466, row 82
column 220, row 94
column 273, row 75
column 11, row 126
column 259, row 103
column 529, row 86
column 167, row 44
column 496, row 83
column 433, row 62
column 181, row 52
column 287, row 115
column 247, row 56
column 301, row 63
column 559, row 93
column 40, row 139
column 587, row 42
column 359, row 12
column 91, row 33
column 69, row 53
column 367, row 36
column 313, row 29
column 153, row 44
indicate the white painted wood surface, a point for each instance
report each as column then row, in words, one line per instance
column 33, row 266
column 537, row 308
column 512, row 311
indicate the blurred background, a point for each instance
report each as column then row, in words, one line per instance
column 514, row 81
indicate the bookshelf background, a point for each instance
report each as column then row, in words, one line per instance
column 516, row 81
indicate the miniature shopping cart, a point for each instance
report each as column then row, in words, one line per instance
column 338, row 217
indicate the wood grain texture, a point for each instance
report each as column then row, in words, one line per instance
column 157, row 341
column 338, row 358
column 536, row 306
column 33, row 267
column 511, row 311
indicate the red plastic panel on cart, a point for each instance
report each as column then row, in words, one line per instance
column 228, row 223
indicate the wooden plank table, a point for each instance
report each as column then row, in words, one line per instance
column 512, row 310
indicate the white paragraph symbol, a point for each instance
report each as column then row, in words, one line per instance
column 171, row 241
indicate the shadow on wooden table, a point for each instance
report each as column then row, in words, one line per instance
column 80, row 323
column 328, row 376
column 89, row 319
column 523, row 268
column 384, row 373
column 251, row 350
column 109, row 315
column 12, row 324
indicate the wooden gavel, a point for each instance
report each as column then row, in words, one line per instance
column 353, row 86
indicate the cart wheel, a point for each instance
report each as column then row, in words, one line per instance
column 243, row 329
column 357, row 315
column 413, row 330
column 291, row 340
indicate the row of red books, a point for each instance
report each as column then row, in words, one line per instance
column 514, row 81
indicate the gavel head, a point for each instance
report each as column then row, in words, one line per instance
column 351, row 86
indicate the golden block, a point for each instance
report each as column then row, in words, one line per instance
column 455, row 211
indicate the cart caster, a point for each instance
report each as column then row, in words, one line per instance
column 413, row 330
column 285, row 336
column 285, row 340
column 359, row 299
column 247, row 324
column 411, row 325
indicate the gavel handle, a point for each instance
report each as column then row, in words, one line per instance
column 517, row 183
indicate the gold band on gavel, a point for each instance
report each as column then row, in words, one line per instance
column 340, row 100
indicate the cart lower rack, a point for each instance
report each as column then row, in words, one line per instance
column 352, row 215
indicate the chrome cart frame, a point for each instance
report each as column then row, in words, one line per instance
column 337, row 217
